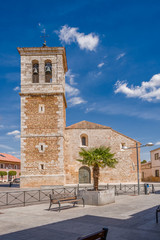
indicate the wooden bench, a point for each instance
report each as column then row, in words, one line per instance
column 157, row 211
column 64, row 198
column 101, row 235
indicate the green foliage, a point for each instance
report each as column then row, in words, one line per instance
column 12, row 173
column 3, row 173
column 144, row 161
column 97, row 158
column 101, row 157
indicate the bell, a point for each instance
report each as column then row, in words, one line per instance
column 35, row 70
column 48, row 69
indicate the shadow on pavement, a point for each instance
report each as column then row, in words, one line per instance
column 138, row 226
column 5, row 185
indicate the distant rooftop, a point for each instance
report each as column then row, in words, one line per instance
column 8, row 158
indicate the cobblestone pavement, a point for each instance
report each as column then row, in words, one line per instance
column 130, row 218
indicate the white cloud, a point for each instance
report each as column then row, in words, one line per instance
column 120, row 56
column 100, row 65
column 70, row 76
column 71, row 91
column 6, row 147
column 157, row 143
column 15, row 132
column 148, row 91
column 75, row 101
column 70, row 34
column 16, row 88
column 17, row 136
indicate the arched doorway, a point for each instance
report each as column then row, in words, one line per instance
column 84, row 175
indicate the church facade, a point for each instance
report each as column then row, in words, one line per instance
column 49, row 149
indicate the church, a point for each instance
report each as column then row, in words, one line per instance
column 49, row 149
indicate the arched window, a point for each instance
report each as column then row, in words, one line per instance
column 84, row 140
column 35, row 71
column 48, row 71
column 84, row 175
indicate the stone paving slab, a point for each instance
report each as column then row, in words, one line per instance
column 130, row 218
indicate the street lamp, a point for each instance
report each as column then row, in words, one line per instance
column 145, row 145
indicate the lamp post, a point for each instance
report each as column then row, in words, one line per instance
column 136, row 147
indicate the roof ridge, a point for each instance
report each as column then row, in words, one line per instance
column 86, row 124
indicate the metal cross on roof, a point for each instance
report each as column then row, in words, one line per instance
column 44, row 32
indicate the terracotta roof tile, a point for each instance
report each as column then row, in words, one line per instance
column 8, row 158
column 87, row 125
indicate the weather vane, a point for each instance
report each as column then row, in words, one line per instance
column 44, row 32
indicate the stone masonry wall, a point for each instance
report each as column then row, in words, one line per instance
column 42, row 132
column 125, row 170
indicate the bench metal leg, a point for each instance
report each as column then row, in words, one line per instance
column 106, row 232
column 59, row 206
column 83, row 202
column 50, row 206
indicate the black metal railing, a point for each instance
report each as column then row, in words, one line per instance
column 28, row 197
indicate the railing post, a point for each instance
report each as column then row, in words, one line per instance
column 7, row 198
column 24, row 197
column 153, row 190
column 39, row 195
column 134, row 189
column 115, row 190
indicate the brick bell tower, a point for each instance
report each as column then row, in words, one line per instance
column 43, row 117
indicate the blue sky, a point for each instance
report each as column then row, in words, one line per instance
column 113, row 60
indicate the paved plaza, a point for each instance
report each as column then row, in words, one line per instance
column 131, row 217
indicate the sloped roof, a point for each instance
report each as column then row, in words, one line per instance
column 87, row 125
column 155, row 149
column 8, row 158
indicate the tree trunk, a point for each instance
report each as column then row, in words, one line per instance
column 96, row 176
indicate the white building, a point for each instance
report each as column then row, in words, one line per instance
column 151, row 170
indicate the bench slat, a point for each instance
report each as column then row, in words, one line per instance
column 68, row 199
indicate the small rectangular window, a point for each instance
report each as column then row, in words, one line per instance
column 156, row 173
column 83, row 141
column 156, row 156
column 41, row 147
column 42, row 166
column 41, row 108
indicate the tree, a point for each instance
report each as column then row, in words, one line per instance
column 97, row 158
column 12, row 173
column 144, row 161
column 2, row 174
